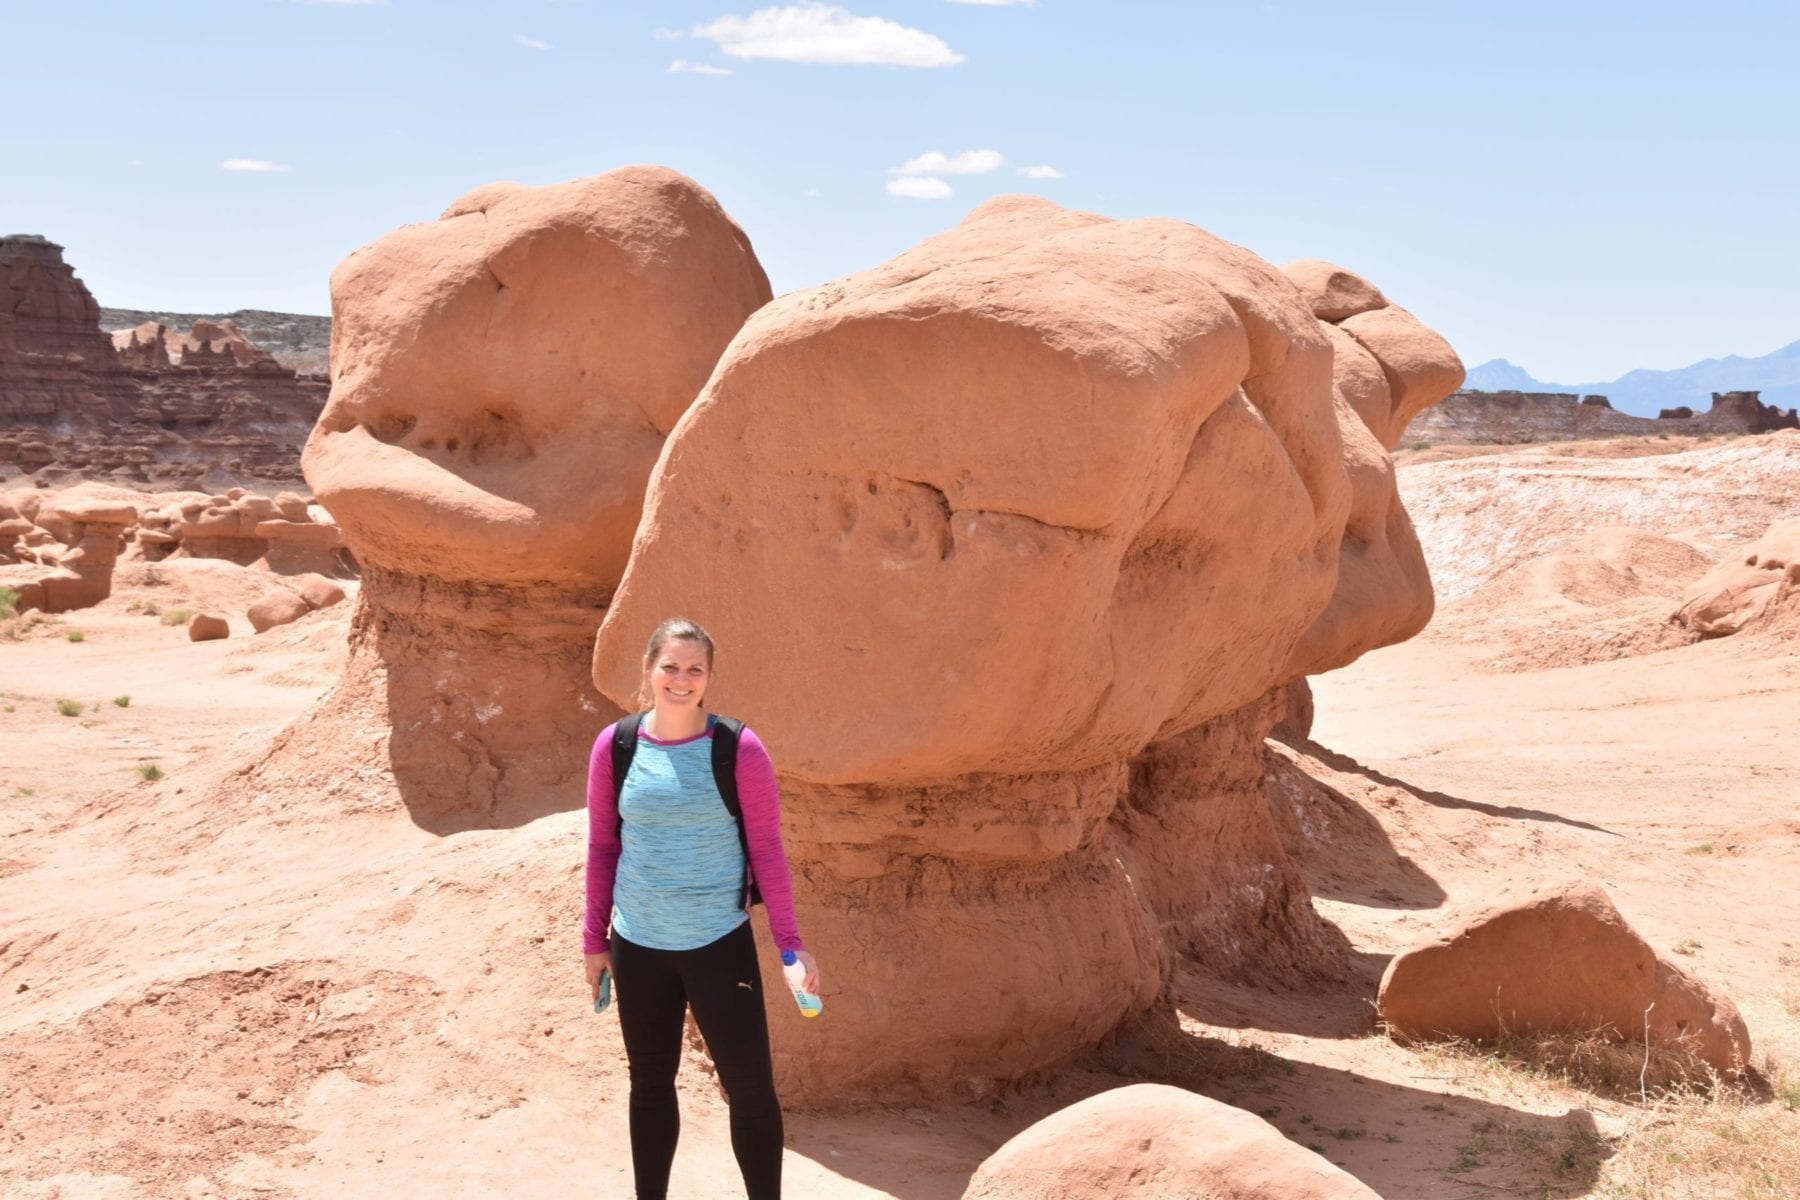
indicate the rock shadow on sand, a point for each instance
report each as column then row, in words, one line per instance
column 1348, row 765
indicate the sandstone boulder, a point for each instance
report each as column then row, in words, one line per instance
column 208, row 627
column 1077, row 492
column 1154, row 1142
column 504, row 378
column 1558, row 959
column 1745, row 589
column 292, row 507
column 319, row 592
column 276, row 608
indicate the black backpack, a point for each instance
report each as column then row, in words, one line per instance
column 725, row 732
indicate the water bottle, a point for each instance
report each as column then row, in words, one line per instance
column 794, row 971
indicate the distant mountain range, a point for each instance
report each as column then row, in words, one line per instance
column 1645, row 393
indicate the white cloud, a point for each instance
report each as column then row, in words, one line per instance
column 252, row 164
column 531, row 43
column 936, row 162
column 997, row 3
column 919, row 187
column 667, row 35
column 825, row 33
column 682, row 66
column 811, row 192
column 1041, row 171
column 344, row 3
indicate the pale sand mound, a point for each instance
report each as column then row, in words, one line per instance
column 1606, row 595
column 1479, row 517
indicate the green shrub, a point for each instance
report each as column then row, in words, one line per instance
column 176, row 616
column 69, row 708
column 149, row 771
column 75, row 635
column 122, row 701
column 9, row 603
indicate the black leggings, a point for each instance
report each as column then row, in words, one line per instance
column 721, row 982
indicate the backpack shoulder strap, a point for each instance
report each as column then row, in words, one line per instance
column 724, row 763
column 624, row 746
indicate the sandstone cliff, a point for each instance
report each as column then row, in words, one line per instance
column 1509, row 418
column 154, row 407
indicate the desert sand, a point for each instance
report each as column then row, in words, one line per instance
column 233, row 980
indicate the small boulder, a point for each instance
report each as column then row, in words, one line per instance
column 276, row 608
column 319, row 592
column 1150, row 1141
column 207, row 627
column 1558, row 959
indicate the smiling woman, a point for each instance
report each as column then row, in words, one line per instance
column 683, row 814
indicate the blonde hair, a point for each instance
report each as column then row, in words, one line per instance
column 671, row 630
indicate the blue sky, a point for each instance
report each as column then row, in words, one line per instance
column 1583, row 188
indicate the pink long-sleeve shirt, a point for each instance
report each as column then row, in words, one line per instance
column 761, row 802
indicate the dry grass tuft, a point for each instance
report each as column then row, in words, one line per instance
column 1683, row 1134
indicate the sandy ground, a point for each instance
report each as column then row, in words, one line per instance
column 214, row 986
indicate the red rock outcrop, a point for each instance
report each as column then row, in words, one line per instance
column 1154, row 1142
column 162, row 408
column 58, row 372
column 504, row 378
column 1558, row 960
column 78, row 574
column 1009, row 545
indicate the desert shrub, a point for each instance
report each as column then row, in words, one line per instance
column 149, row 771
column 75, row 635
column 122, row 701
column 176, row 616
column 69, row 708
column 9, row 603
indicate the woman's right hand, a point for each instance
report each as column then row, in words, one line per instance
column 596, row 963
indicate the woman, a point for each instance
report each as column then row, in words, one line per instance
column 667, row 867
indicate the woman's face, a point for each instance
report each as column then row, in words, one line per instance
column 679, row 674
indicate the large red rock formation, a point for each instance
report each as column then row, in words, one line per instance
column 503, row 380
column 1008, row 544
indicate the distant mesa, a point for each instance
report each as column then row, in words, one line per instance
column 150, row 407
column 1512, row 418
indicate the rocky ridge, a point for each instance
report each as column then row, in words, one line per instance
column 205, row 409
column 1514, row 418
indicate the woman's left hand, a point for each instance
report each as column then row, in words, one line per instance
column 812, row 970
